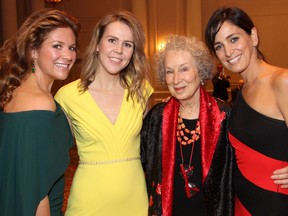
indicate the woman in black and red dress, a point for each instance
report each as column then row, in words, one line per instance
column 258, row 127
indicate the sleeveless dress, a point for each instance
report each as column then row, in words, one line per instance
column 109, row 179
column 261, row 146
column 34, row 155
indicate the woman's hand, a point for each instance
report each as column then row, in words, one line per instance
column 280, row 177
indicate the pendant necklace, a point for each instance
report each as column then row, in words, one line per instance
column 186, row 170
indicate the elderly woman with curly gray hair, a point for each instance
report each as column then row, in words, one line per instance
column 185, row 152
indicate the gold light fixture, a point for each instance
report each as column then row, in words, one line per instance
column 53, row 1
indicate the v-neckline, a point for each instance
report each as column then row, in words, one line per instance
column 103, row 114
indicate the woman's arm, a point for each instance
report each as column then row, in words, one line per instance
column 43, row 208
column 280, row 176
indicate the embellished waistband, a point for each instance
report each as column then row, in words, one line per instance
column 109, row 161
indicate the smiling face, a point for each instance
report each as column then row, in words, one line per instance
column 57, row 54
column 235, row 48
column 182, row 75
column 115, row 48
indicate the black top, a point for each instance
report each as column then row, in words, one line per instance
column 181, row 204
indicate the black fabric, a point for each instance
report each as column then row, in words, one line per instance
column 151, row 155
column 234, row 93
column 181, row 204
column 264, row 134
column 220, row 88
column 218, row 190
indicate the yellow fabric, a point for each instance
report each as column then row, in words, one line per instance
column 107, row 189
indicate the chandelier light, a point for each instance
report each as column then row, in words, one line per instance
column 53, row 2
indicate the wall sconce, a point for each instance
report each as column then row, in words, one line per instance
column 53, row 1
column 160, row 46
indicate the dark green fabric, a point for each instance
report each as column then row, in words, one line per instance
column 34, row 155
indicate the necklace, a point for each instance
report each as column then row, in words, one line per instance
column 186, row 170
column 183, row 133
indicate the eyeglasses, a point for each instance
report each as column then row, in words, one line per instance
column 186, row 172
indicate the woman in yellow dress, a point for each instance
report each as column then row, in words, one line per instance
column 106, row 107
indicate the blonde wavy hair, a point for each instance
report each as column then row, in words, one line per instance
column 132, row 77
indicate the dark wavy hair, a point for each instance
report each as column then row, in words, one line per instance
column 132, row 77
column 234, row 15
column 15, row 54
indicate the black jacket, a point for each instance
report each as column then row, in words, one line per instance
column 158, row 138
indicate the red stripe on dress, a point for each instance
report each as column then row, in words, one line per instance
column 256, row 167
column 240, row 210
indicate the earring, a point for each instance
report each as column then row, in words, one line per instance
column 33, row 67
column 255, row 43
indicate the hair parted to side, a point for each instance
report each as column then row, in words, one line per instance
column 197, row 49
column 133, row 76
column 15, row 54
column 235, row 16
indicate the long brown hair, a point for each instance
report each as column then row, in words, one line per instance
column 134, row 75
column 15, row 55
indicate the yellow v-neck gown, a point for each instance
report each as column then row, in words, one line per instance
column 109, row 180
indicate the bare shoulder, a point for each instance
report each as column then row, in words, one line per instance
column 280, row 79
column 42, row 101
column 280, row 86
column 26, row 101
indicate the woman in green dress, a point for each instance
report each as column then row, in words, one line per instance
column 35, row 136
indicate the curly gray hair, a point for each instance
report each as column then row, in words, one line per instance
column 198, row 50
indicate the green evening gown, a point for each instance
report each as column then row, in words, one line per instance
column 34, row 155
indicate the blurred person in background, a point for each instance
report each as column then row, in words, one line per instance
column 221, row 84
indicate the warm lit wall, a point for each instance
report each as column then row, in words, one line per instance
column 90, row 11
column 162, row 17
column 271, row 20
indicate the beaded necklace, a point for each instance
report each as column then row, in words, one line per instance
column 183, row 133
column 186, row 170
